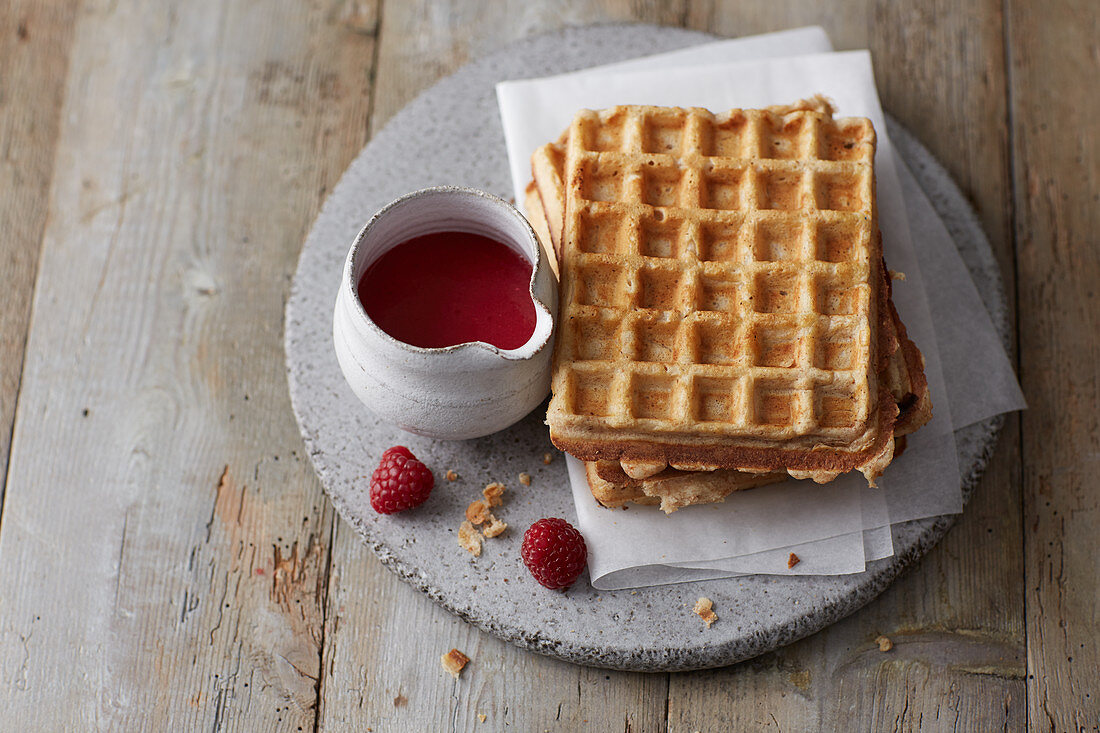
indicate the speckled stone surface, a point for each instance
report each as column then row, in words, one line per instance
column 451, row 134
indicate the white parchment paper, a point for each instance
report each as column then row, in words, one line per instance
column 980, row 380
column 834, row 528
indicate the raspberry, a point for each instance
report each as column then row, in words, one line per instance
column 554, row 551
column 399, row 450
column 400, row 482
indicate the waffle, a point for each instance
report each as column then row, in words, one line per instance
column 674, row 489
column 904, row 374
column 904, row 377
column 540, row 222
column 686, row 489
column 614, row 483
column 723, row 297
column 547, row 169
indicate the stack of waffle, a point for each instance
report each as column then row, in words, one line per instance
column 726, row 318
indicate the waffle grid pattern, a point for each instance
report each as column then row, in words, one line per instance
column 718, row 274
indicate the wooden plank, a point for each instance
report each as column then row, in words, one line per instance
column 164, row 547
column 956, row 619
column 424, row 41
column 34, row 56
column 383, row 640
column 1056, row 177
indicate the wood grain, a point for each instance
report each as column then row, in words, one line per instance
column 165, row 544
column 958, row 644
column 1056, row 176
column 166, row 553
column 423, row 41
column 34, row 57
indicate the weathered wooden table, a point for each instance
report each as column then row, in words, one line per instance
column 166, row 553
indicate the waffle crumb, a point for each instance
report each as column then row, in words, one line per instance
column 493, row 493
column 451, row 475
column 704, row 610
column 884, row 643
column 793, row 560
column 454, row 662
column 495, row 527
column 547, row 458
column 895, row 275
column 481, row 717
column 469, row 539
column 525, row 479
column 478, row 512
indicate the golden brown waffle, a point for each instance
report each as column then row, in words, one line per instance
column 547, row 168
column 723, row 299
column 674, row 489
column 613, row 484
column 674, row 493
column 904, row 375
column 541, row 224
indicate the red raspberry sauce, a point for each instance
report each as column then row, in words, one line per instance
column 449, row 288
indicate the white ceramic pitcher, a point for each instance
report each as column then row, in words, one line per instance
column 454, row 392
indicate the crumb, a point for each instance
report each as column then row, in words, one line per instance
column 451, row 475
column 547, row 458
column 469, row 539
column 454, row 661
column 495, row 527
column 481, row 717
column 493, row 492
column 525, row 479
column 478, row 512
column 793, row 560
column 895, row 275
column 884, row 643
column 400, row 701
column 703, row 609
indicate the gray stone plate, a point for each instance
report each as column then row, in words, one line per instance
column 451, row 134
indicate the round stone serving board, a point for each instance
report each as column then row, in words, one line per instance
column 451, row 134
